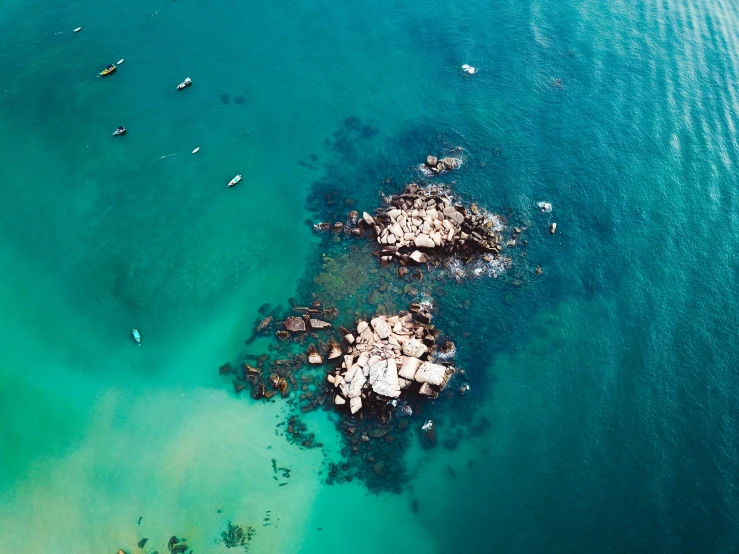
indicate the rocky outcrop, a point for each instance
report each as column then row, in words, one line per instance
column 314, row 358
column 388, row 357
column 436, row 165
column 295, row 324
column 424, row 222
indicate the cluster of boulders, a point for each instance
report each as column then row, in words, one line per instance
column 387, row 356
column 424, row 221
column 439, row 165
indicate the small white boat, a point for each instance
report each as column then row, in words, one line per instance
column 469, row 69
column 137, row 336
column 184, row 84
column 78, row 29
column 234, row 181
column 196, row 150
column 120, row 61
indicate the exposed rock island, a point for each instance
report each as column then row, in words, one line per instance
column 423, row 222
column 387, row 357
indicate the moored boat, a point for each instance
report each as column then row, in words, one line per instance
column 110, row 68
column 120, row 61
column 196, row 150
column 78, row 29
column 234, row 181
column 136, row 336
column 184, row 84
column 121, row 130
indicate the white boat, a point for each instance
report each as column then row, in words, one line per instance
column 196, row 150
column 137, row 336
column 120, row 61
column 184, row 84
column 78, row 29
column 234, row 181
column 469, row 69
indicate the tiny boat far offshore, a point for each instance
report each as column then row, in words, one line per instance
column 184, row 84
column 119, row 131
column 234, row 181
column 137, row 336
column 110, row 68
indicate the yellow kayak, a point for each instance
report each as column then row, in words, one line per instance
column 110, row 68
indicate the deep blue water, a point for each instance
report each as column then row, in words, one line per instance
column 609, row 383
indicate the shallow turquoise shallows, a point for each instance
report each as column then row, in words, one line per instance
column 609, row 385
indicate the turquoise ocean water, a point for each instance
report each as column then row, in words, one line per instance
column 609, row 385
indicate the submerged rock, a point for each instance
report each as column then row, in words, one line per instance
column 428, row 434
column 266, row 322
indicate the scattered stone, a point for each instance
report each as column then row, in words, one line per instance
column 314, row 357
column 318, row 324
column 257, row 392
column 538, row 270
column 338, row 227
column 418, row 257
column 279, row 383
column 431, row 161
column 334, row 350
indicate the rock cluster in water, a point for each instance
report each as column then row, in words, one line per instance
column 438, row 165
column 422, row 222
column 387, row 356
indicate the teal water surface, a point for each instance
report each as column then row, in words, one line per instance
column 609, row 385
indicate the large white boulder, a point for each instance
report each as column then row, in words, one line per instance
column 355, row 404
column 381, row 327
column 415, row 348
column 409, row 367
column 419, row 257
column 424, row 241
column 384, row 377
column 433, row 374
column 355, row 387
